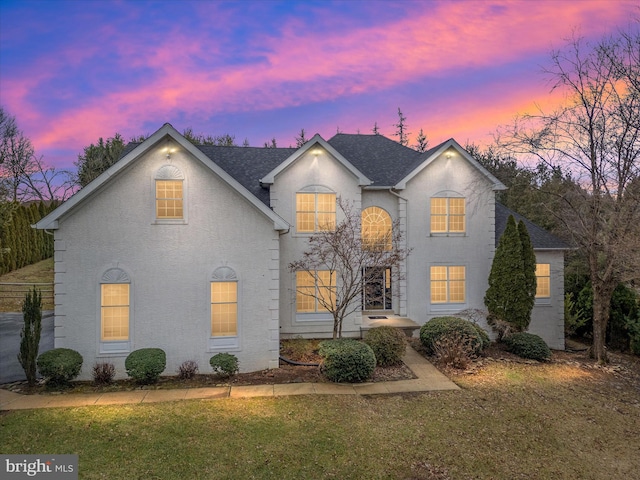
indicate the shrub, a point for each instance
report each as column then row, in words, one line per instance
column 187, row 370
column 224, row 364
column 453, row 350
column 483, row 335
column 103, row 373
column 528, row 345
column 347, row 360
column 60, row 365
column 388, row 345
column 437, row 327
column 30, row 334
column 146, row 364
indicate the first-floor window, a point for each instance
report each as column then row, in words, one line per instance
column 543, row 280
column 224, row 309
column 377, row 288
column 447, row 284
column 114, row 311
column 315, row 290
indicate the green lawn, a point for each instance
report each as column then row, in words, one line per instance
column 509, row 421
column 40, row 272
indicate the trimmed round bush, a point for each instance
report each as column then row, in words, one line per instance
column 347, row 360
column 437, row 327
column 146, row 364
column 60, row 365
column 528, row 345
column 388, row 345
column 224, row 364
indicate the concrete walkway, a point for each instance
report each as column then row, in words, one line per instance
column 429, row 379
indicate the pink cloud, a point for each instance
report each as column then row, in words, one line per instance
column 303, row 64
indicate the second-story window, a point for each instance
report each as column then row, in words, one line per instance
column 447, row 215
column 315, row 211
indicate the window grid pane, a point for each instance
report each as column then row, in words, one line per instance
column 312, row 287
column 169, row 199
column 448, row 215
column 114, row 312
column 543, row 280
column 376, row 229
column 224, row 309
column 448, row 284
column 315, row 212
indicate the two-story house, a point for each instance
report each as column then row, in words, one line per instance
column 186, row 247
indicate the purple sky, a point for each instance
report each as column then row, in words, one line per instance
column 74, row 71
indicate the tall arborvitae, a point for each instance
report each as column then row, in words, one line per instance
column 507, row 282
column 529, row 267
column 30, row 335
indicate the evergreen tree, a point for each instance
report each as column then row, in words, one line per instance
column 95, row 159
column 422, row 142
column 401, row 129
column 507, row 284
column 30, row 335
column 301, row 138
column 529, row 267
column 375, row 130
column 273, row 143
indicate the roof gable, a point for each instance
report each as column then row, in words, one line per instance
column 131, row 155
column 431, row 155
column 317, row 140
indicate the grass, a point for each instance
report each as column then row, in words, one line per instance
column 40, row 272
column 510, row 420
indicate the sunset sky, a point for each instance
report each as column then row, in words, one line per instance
column 74, row 71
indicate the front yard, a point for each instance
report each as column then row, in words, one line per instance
column 512, row 419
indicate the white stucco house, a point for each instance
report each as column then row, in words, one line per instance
column 186, row 247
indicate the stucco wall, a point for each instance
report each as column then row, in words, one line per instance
column 547, row 317
column 474, row 249
column 315, row 168
column 170, row 267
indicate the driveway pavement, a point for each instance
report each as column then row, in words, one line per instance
column 10, row 327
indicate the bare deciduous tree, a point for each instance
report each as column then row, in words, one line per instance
column 342, row 264
column 596, row 135
column 23, row 175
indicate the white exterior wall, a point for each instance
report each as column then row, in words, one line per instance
column 309, row 170
column 547, row 317
column 170, row 267
column 474, row 249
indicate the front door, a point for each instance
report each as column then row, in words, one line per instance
column 377, row 288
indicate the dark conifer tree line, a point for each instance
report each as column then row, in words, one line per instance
column 21, row 245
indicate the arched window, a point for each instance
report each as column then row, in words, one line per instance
column 224, row 303
column 376, row 229
column 115, row 311
column 169, row 185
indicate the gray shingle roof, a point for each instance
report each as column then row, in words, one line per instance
column 248, row 164
column 381, row 159
column 540, row 238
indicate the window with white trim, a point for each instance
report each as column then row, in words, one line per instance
column 315, row 210
column 169, row 194
column 448, row 284
column 115, row 311
column 224, row 325
column 448, row 215
column 224, row 309
column 376, row 229
column 543, row 280
column 314, row 290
